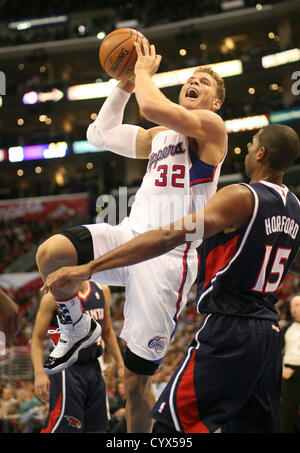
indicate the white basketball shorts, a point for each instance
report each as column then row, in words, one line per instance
column 155, row 290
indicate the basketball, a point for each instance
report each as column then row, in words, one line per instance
column 117, row 52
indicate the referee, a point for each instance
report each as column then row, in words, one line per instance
column 290, row 400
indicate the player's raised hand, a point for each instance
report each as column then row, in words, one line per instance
column 66, row 275
column 148, row 60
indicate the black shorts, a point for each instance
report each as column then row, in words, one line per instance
column 230, row 379
column 77, row 401
column 82, row 240
column 139, row 365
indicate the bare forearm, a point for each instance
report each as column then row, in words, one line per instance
column 37, row 356
column 112, row 345
column 147, row 93
column 7, row 306
column 144, row 247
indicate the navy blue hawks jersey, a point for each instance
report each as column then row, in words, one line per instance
column 241, row 270
column 93, row 303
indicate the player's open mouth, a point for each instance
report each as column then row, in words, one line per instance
column 192, row 93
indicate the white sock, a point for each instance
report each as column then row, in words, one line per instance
column 71, row 309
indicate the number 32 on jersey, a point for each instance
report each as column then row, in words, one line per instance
column 174, row 176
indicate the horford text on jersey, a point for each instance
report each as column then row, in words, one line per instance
column 279, row 224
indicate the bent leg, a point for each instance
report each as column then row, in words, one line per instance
column 140, row 399
column 77, row 329
column 54, row 253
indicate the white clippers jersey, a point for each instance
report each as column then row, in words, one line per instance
column 176, row 183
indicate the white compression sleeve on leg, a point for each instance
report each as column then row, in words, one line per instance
column 108, row 132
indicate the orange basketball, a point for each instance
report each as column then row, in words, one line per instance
column 117, row 52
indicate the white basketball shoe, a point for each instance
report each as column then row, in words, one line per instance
column 73, row 337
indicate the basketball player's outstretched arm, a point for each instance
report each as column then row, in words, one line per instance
column 230, row 206
column 109, row 335
column 42, row 322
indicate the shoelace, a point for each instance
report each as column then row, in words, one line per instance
column 64, row 333
column 54, row 331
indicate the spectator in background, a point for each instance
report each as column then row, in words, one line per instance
column 8, row 404
column 26, row 402
column 20, row 410
column 117, row 312
column 33, row 420
column 117, row 409
column 290, row 400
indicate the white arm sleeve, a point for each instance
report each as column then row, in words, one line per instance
column 108, row 132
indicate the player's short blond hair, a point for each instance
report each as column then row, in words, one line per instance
column 219, row 80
